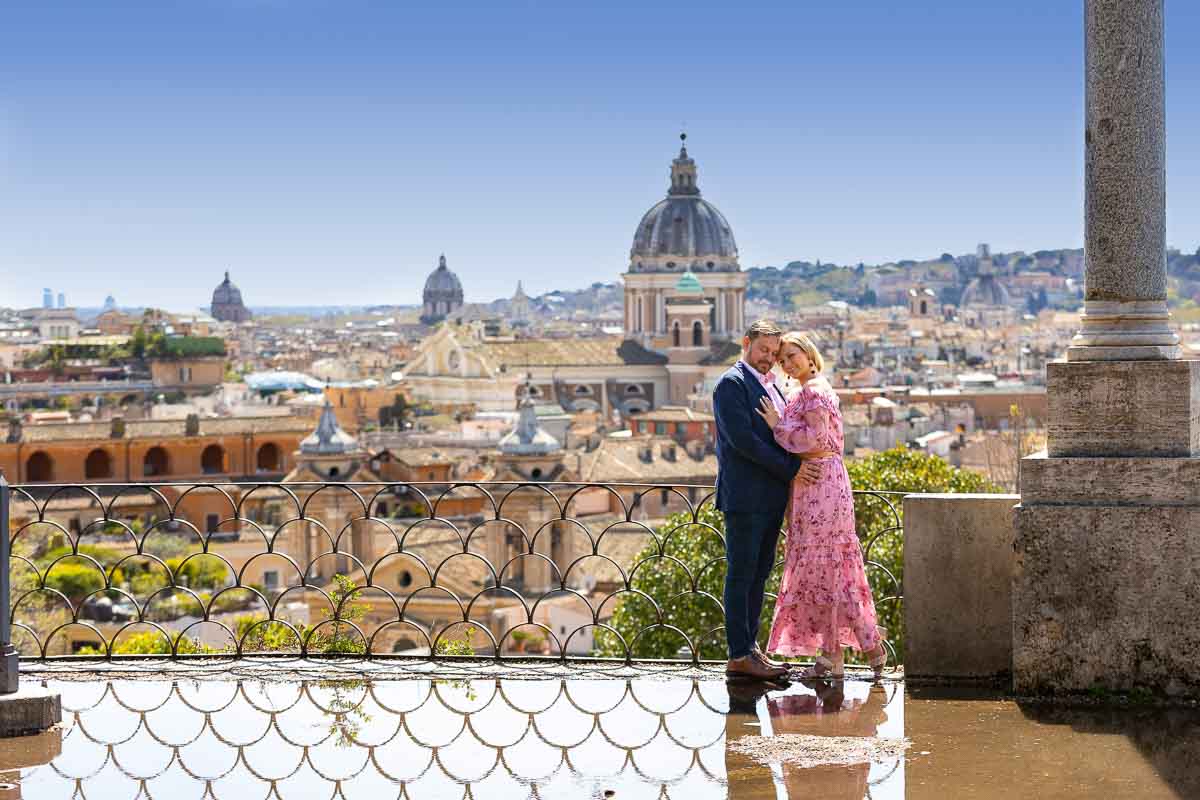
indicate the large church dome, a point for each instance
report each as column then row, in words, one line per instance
column 683, row 231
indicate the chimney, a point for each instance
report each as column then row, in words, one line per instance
column 191, row 426
column 118, row 428
column 646, row 453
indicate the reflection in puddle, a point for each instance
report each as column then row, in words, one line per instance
column 822, row 710
column 657, row 737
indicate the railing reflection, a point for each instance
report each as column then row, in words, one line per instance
column 364, row 737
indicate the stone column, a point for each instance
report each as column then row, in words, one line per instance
column 722, row 327
column 1125, row 310
column 1107, row 544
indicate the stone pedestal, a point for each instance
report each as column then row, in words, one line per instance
column 1123, row 408
column 1106, row 595
column 1107, row 581
column 31, row 709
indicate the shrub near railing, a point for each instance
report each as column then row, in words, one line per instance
column 675, row 604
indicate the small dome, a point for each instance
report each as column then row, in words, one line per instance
column 227, row 305
column 226, row 293
column 528, row 438
column 984, row 290
column 328, row 438
column 689, row 284
column 443, row 294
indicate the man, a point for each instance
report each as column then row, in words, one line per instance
column 754, row 476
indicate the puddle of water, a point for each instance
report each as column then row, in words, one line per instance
column 584, row 737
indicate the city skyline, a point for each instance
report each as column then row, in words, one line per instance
column 329, row 153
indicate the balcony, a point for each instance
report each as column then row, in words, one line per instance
column 493, row 639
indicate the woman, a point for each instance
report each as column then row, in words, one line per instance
column 824, row 601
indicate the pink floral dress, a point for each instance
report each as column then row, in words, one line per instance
column 824, row 599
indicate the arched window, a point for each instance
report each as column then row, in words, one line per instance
column 675, row 334
column 633, row 388
column 697, row 334
column 212, row 460
column 39, row 468
column 267, row 459
column 583, row 389
column 924, row 308
column 98, row 464
column 156, row 462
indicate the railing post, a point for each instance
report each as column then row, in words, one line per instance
column 8, row 654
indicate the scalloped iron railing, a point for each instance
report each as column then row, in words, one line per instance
column 445, row 570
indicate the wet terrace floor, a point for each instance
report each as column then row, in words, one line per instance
column 419, row 730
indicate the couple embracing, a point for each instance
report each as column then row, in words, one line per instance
column 775, row 454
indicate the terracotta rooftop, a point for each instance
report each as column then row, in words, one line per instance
column 623, row 460
column 163, row 429
column 675, row 414
column 551, row 352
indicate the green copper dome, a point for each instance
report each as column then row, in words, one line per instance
column 689, row 284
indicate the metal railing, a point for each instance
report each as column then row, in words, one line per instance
column 496, row 569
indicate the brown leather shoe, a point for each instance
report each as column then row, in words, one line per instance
column 762, row 659
column 751, row 667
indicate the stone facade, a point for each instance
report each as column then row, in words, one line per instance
column 188, row 373
column 149, row 450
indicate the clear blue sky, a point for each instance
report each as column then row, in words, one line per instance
column 326, row 151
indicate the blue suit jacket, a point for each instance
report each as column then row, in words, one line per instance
column 753, row 472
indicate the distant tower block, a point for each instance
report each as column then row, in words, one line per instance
column 62, row 300
column 519, row 305
column 47, row 298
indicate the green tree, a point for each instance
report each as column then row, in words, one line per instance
column 139, row 343
column 683, row 569
column 397, row 414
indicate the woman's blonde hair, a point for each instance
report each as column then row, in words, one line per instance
column 798, row 339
